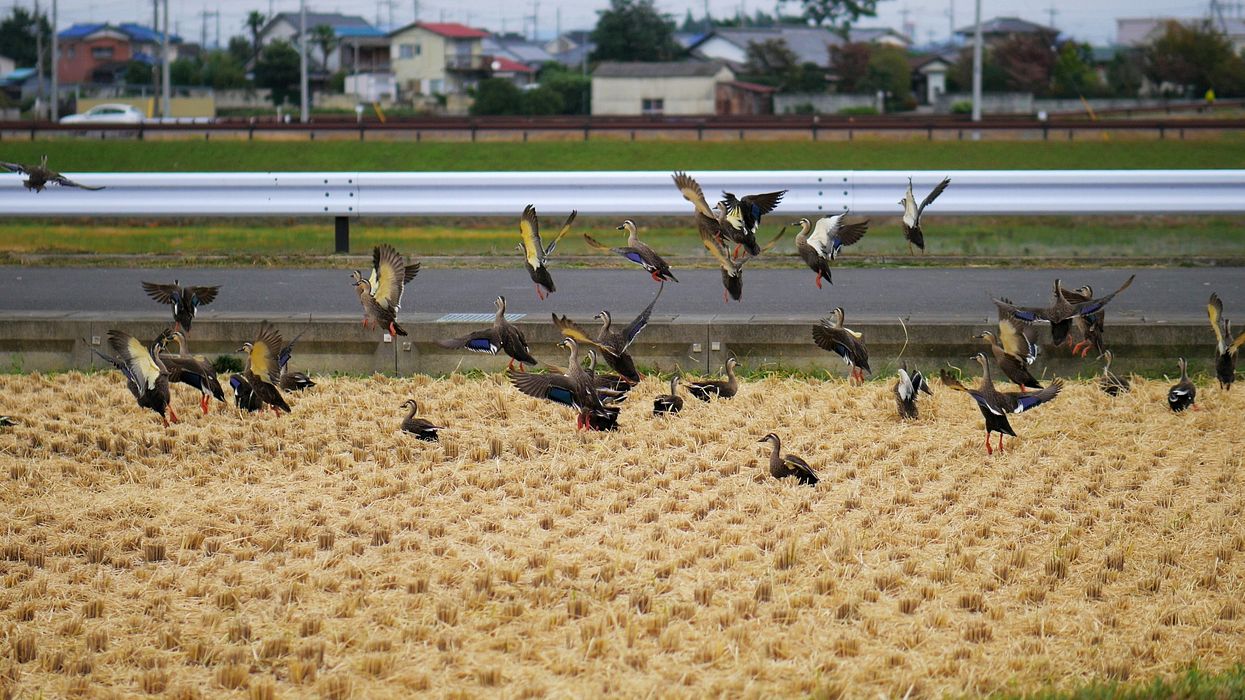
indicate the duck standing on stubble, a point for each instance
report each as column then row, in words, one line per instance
column 1183, row 393
column 422, row 429
column 782, row 466
column 906, row 390
column 831, row 335
column 145, row 374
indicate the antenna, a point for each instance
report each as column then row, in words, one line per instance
column 951, row 21
column 909, row 29
column 1051, row 12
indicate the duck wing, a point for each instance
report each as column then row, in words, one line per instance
column 264, row 352
column 692, row 193
column 164, row 293
column 389, row 276
column 66, row 182
column 640, row 322
column 933, row 194
column 139, row 364
column 486, row 341
column 1086, row 308
column 15, row 168
column 557, row 388
column 566, row 228
column 529, row 234
column 755, row 206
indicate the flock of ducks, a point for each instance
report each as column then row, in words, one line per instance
column 729, row 232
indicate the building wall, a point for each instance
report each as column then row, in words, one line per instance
column 424, row 72
column 7, row 65
column 682, row 95
column 77, row 59
column 821, row 102
column 719, row 48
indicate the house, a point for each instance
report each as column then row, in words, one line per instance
column 101, row 53
column 443, row 58
column 1003, row 28
column 739, row 97
column 669, row 88
column 568, row 41
column 518, row 49
column 352, row 32
column 518, row 73
column 360, row 50
column 809, row 44
column 929, row 76
column 1136, row 31
column 7, row 65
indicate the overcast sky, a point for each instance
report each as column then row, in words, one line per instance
column 1087, row 20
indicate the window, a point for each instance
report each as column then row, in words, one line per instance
column 652, row 106
column 101, row 52
column 406, row 50
column 419, row 49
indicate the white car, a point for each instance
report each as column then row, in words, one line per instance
column 106, row 114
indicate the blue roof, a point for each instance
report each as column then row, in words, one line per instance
column 136, row 32
column 359, row 32
column 18, row 75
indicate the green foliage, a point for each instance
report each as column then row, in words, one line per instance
column 223, row 71
column 227, row 364
column 1195, row 57
column 17, row 36
column 772, row 62
column 497, row 96
column 541, row 100
column 574, row 87
column 1126, row 73
column 255, row 22
column 1073, row 74
column 838, row 14
column 185, row 71
column 1193, row 684
column 277, row 70
column 960, row 77
column 1027, row 62
column 858, row 111
column 324, row 38
column 634, row 30
column 137, row 73
column 962, row 107
column 240, row 49
column 337, row 82
column 888, row 72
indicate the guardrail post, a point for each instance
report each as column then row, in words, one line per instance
column 341, row 230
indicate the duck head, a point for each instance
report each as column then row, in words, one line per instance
column 410, row 403
column 628, row 226
column 769, row 438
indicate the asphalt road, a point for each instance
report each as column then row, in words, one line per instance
column 918, row 293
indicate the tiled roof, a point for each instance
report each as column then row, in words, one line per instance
column 1008, row 25
column 506, row 65
column 136, row 32
column 668, row 69
column 453, row 30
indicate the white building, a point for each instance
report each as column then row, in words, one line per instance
column 670, row 88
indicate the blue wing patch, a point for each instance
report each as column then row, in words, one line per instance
column 235, row 382
column 634, row 257
column 1024, row 315
column 1024, row 403
column 561, row 395
column 481, row 345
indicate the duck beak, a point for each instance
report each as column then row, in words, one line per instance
column 619, row 228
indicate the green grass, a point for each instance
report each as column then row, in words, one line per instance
column 180, row 156
column 1193, row 684
column 1013, row 241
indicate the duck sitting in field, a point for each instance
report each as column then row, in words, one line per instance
column 1183, row 393
column 1226, row 348
column 782, row 466
column 666, row 404
column 995, row 404
column 40, row 176
column 502, row 336
column 193, row 371
column 145, row 374
column 536, row 253
column 8, row 422
column 818, row 248
column 637, row 252
column 906, row 389
column 831, row 335
column 706, row 389
column 422, row 429
column 1109, row 382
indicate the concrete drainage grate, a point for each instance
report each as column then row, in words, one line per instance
column 475, row 318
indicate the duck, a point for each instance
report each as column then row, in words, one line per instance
column 422, row 429
column 1061, row 311
column 912, row 213
column 1013, row 366
column 637, row 252
column 184, row 300
column 612, row 343
column 1088, row 328
column 502, row 336
column 1109, row 382
column 261, row 370
column 741, row 217
column 244, row 398
column 145, row 374
column 574, row 388
column 818, row 248
column 782, row 466
column 666, row 404
column 612, row 388
column 710, row 227
column 1183, row 393
column 193, row 371
column 1019, row 339
column 707, row 389
column 40, row 176
column 906, row 390
column 9, row 422
column 291, row 381
column 381, row 292
column 831, row 335
column 535, row 253
column 995, row 404
column 1226, row 348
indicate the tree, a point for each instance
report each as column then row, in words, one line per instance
column 1027, row 61
column 850, row 62
column 772, row 62
column 960, row 78
column 1073, row 74
column 137, row 73
column 633, row 30
column 186, row 71
column 255, row 22
column 223, row 71
column 497, row 96
column 540, row 100
column 1195, row 57
column 240, row 49
column 839, row 14
column 277, row 70
column 323, row 36
column 574, row 87
column 888, row 72
column 17, row 36
column 1126, row 72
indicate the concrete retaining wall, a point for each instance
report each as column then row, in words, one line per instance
column 42, row 342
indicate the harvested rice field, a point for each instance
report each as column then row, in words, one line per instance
column 326, row 554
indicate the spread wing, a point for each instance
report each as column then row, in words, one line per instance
column 1024, row 402
column 551, row 387
column 637, row 325
column 264, row 352
column 389, row 275
column 929, row 198
column 765, row 248
column 66, row 182
column 1214, row 308
column 825, row 227
column 479, row 341
column 283, row 357
column 717, row 251
column 569, row 329
column 1086, row 308
column 164, row 293
column 15, row 168
column 137, row 359
column 919, row 383
column 566, row 228
column 1024, row 314
column 594, row 243
column 757, row 205
column 692, row 193
column 203, row 295
column 529, row 232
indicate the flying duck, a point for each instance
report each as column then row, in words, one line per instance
column 995, row 405
column 831, row 335
column 1109, row 382
column 782, row 466
column 184, row 300
column 291, row 381
column 193, row 371
column 1225, row 347
column 1013, row 366
column 741, row 218
column 669, row 403
column 906, row 391
column 419, row 427
column 1019, row 339
column 638, row 252
column 381, row 293
column 912, row 213
column 145, row 374
column 613, row 343
column 535, row 253
column 502, row 336
column 262, row 373
column 1061, row 311
column 40, row 176
column 1088, row 328
column 574, row 388
column 1184, row 392
column 706, row 389
column 818, row 248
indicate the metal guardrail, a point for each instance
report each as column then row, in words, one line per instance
column 348, row 195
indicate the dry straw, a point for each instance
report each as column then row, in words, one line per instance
column 326, row 553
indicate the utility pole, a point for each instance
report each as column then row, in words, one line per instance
column 155, row 70
column 977, row 64
column 216, row 43
column 951, row 21
column 708, row 20
column 166, row 86
column 415, row 11
column 907, row 27
column 1051, row 12
column 56, row 59
column 38, row 60
column 304, row 112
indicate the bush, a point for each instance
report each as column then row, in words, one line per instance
column 227, row 364
column 541, row 100
column 858, row 111
column 802, row 108
column 337, row 82
column 962, row 107
column 497, row 96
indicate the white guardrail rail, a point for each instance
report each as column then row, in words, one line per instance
column 352, row 194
